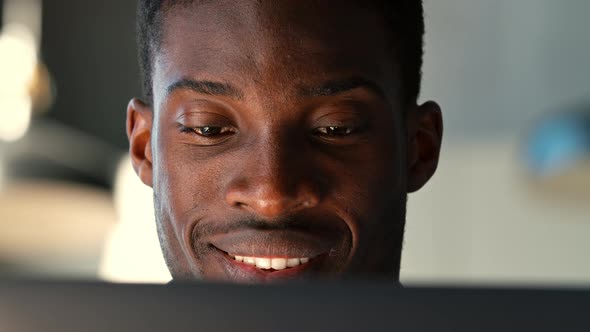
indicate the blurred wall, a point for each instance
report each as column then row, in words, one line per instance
column 89, row 46
column 55, row 202
column 496, row 67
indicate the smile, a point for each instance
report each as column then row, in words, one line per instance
column 266, row 263
column 253, row 255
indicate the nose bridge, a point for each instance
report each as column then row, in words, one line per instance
column 274, row 179
column 273, row 182
column 275, row 152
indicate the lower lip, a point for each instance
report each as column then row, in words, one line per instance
column 242, row 272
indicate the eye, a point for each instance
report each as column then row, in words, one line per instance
column 208, row 131
column 334, row 131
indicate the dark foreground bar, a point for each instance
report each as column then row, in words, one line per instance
column 66, row 306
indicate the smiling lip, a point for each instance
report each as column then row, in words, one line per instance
column 248, row 273
column 263, row 255
column 272, row 263
column 273, row 244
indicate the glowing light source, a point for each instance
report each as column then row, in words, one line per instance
column 15, row 115
column 132, row 252
column 18, row 60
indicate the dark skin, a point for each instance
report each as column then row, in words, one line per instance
column 278, row 131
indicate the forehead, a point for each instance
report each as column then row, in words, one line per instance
column 273, row 43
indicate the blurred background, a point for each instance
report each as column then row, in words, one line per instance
column 509, row 203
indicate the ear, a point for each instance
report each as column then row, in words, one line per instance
column 139, row 133
column 425, row 129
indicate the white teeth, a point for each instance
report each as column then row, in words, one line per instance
column 250, row 260
column 292, row 262
column 262, row 263
column 278, row 263
column 271, row 263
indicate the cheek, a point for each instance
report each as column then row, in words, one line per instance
column 371, row 189
column 371, row 194
column 189, row 183
column 375, row 170
column 187, row 188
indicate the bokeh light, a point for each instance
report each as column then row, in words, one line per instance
column 142, row 261
column 18, row 60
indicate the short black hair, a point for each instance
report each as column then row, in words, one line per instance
column 404, row 18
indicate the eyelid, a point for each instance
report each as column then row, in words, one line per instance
column 199, row 139
column 339, row 113
column 187, row 114
column 223, row 129
column 353, row 121
column 185, row 128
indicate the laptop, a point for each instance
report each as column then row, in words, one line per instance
column 51, row 306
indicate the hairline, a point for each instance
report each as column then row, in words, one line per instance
column 163, row 7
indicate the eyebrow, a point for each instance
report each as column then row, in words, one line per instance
column 206, row 88
column 329, row 88
column 335, row 87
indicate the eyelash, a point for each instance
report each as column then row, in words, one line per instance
column 328, row 130
column 335, row 131
column 195, row 130
column 327, row 134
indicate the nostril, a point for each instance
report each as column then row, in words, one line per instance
column 241, row 205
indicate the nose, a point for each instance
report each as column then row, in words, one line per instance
column 274, row 181
column 265, row 198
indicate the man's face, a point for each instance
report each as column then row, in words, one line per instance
column 277, row 145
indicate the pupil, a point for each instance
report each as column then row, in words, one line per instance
column 337, row 130
column 210, row 130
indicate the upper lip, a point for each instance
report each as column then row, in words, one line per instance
column 272, row 243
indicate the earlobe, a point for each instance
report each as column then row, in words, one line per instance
column 425, row 130
column 139, row 132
